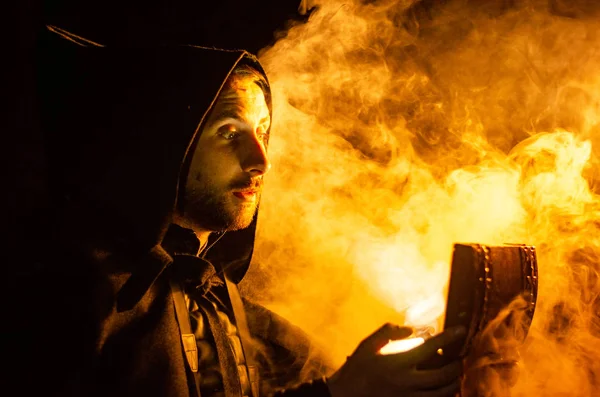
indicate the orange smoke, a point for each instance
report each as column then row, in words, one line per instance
column 399, row 130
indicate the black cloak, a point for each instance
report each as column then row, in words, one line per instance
column 89, row 306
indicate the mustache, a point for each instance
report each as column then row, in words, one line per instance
column 248, row 183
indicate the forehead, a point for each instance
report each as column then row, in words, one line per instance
column 243, row 97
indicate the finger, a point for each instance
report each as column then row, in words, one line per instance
column 447, row 391
column 382, row 336
column 435, row 378
column 431, row 346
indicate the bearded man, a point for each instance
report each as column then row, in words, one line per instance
column 156, row 164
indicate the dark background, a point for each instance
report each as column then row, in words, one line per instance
column 221, row 23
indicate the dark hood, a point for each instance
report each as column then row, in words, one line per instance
column 119, row 124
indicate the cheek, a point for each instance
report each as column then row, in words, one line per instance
column 222, row 161
column 214, row 170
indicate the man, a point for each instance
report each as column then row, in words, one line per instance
column 156, row 161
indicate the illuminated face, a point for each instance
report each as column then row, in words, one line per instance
column 224, row 183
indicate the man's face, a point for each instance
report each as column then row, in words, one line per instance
column 224, row 183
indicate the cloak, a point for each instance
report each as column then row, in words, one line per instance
column 89, row 302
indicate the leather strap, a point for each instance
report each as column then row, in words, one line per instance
column 229, row 368
column 188, row 339
column 242, row 325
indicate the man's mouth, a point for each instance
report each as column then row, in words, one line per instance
column 246, row 194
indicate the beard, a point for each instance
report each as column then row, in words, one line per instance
column 217, row 210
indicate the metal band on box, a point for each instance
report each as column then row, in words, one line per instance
column 484, row 280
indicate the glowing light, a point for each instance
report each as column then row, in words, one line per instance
column 427, row 311
column 400, row 346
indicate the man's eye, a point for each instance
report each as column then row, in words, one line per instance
column 228, row 132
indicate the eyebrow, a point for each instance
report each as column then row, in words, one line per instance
column 227, row 114
column 234, row 114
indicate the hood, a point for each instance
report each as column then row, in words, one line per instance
column 118, row 125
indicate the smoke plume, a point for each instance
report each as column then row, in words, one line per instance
column 401, row 127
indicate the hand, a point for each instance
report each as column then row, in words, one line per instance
column 367, row 373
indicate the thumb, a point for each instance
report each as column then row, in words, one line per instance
column 381, row 337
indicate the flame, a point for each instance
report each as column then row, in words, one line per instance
column 402, row 127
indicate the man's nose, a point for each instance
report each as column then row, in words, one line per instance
column 256, row 162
